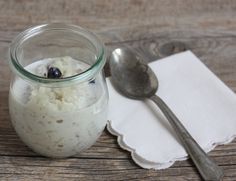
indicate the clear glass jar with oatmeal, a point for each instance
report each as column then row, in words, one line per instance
column 58, row 96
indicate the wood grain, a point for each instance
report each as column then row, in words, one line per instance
column 156, row 29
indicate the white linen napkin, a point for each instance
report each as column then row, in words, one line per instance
column 202, row 102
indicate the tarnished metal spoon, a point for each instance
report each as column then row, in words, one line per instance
column 132, row 77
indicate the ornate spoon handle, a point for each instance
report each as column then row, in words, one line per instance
column 207, row 167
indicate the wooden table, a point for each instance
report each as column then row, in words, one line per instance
column 156, row 28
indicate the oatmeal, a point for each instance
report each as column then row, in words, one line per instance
column 58, row 121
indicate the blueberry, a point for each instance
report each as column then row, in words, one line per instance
column 54, row 73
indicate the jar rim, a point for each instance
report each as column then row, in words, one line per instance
column 35, row 30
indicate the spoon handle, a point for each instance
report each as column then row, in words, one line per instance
column 207, row 168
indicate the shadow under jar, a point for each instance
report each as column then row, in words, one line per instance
column 58, row 95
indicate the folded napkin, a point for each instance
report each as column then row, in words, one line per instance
column 202, row 102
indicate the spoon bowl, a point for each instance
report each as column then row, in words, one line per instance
column 133, row 77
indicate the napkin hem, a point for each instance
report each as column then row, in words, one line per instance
column 147, row 164
column 139, row 160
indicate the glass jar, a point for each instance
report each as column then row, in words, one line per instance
column 58, row 95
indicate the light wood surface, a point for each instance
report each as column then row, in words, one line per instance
column 156, row 28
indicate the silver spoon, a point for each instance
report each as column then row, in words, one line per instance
column 132, row 77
